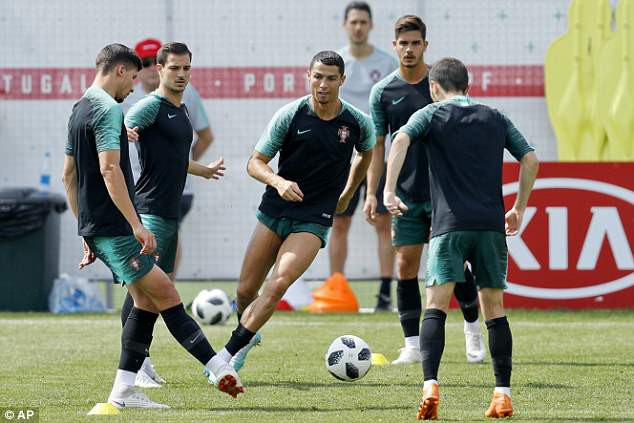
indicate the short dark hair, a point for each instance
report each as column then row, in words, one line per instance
column 410, row 23
column 451, row 74
column 166, row 49
column 330, row 58
column 357, row 5
column 116, row 54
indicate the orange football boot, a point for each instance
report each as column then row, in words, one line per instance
column 500, row 406
column 428, row 407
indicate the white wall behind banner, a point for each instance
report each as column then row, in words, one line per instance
column 59, row 34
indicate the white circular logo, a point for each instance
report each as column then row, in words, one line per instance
column 587, row 291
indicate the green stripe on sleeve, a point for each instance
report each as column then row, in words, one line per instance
column 516, row 144
column 418, row 124
column 68, row 149
column 273, row 137
column 144, row 112
column 376, row 108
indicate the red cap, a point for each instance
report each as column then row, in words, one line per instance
column 147, row 48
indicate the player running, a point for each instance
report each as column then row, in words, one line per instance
column 315, row 136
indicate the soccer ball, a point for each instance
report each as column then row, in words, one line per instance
column 349, row 358
column 211, row 307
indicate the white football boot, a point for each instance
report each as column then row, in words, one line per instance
column 474, row 342
column 409, row 355
column 131, row 398
column 147, row 377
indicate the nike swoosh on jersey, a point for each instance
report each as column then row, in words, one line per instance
column 302, row 132
column 398, row 100
column 171, row 116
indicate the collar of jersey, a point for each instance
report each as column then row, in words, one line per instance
column 164, row 100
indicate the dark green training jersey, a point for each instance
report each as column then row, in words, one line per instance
column 465, row 142
column 165, row 137
column 392, row 101
column 315, row 154
column 96, row 125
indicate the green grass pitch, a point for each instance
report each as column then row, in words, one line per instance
column 568, row 366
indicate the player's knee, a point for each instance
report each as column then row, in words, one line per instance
column 407, row 267
column 278, row 287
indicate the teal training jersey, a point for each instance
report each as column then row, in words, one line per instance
column 465, row 142
column 165, row 137
column 96, row 125
column 315, row 154
column 392, row 101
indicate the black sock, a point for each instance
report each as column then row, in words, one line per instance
column 432, row 341
column 239, row 316
column 239, row 338
column 126, row 308
column 467, row 295
column 409, row 305
column 136, row 338
column 386, row 287
column 188, row 333
column 501, row 348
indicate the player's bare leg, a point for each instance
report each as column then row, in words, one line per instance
column 295, row 255
column 501, row 349
column 259, row 258
column 408, row 301
column 338, row 243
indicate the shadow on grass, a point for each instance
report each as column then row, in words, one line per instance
column 306, row 386
column 313, row 409
column 571, row 363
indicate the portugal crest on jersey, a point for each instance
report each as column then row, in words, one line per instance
column 344, row 133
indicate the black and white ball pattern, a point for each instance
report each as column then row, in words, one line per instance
column 211, row 307
column 348, row 358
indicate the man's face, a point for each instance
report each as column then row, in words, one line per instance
column 148, row 75
column 358, row 25
column 325, row 81
column 125, row 77
column 410, row 48
column 176, row 72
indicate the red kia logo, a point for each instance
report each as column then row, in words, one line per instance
column 589, row 227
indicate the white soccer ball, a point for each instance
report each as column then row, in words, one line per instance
column 349, row 358
column 211, row 307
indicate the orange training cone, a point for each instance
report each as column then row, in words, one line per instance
column 334, row 296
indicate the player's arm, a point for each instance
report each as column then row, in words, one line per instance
column 107, row 127
column 374, row 175
column 141, row 115
column 200, row 122
column 267, row 147
column 258, row 168
column 118, row 191
column 358, row 172
column 69, row 179
column 517, row 145
column 379, row 119
column 361, row 162
column 202, row 143
column 214, row 170
column 398, row 151
column 415, row 128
